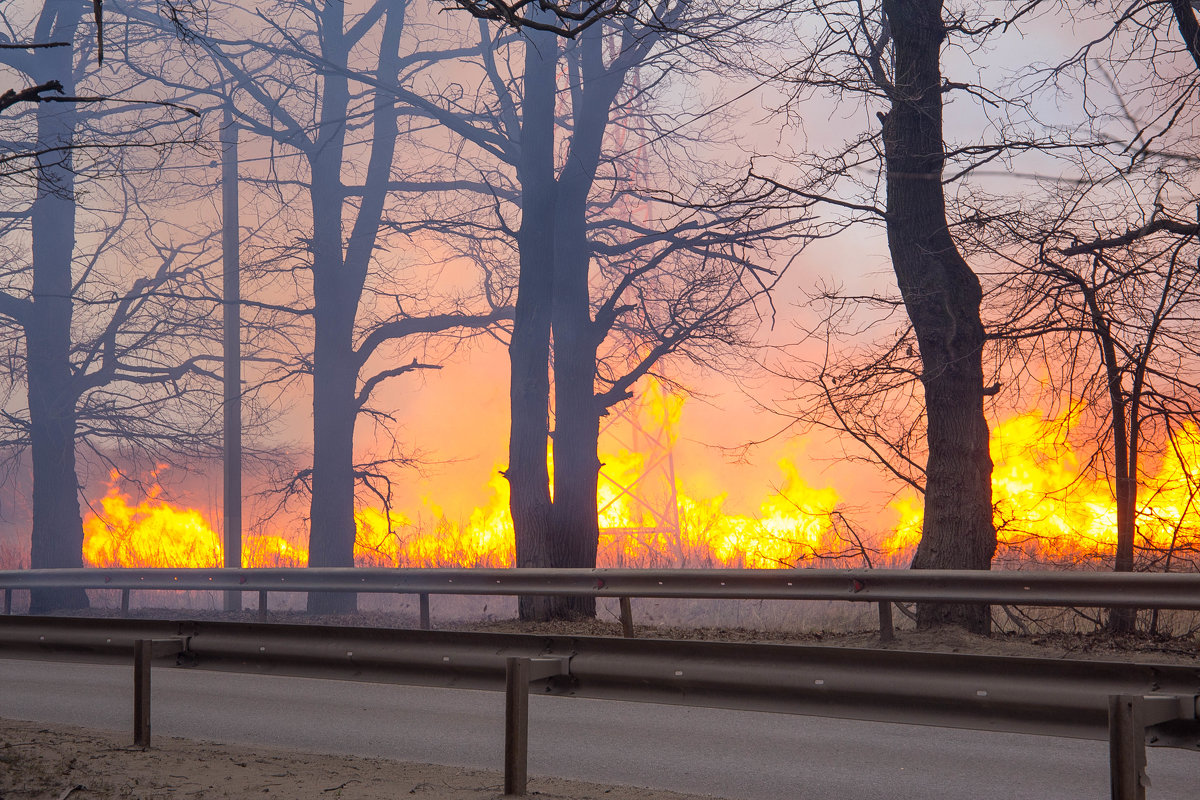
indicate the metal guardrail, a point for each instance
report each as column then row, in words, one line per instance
column 1123, row 702
column 881, row 586
column 1095, row 589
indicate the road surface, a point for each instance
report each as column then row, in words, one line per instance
column 733, row 754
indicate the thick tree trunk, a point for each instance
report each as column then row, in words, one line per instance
column 529, row 350
column 576, row 411
column 331, row 514
column 574, row 516
column 942, row 296
column 336, row 292
column 57, row 536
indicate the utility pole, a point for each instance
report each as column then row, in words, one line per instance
column 232, row 291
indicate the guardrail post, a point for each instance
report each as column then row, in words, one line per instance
column 516, row 726
column 424, row 600
column 124, row 601
column 1126, row 748
column 626, row 618
column 7, row 602
column 262, row 603
column 887, row 632
column 518, row 674
column 143, row 651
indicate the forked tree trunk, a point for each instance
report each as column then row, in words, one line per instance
column 339, row 275
column 335, row 304
column 942, row 296
column 57, row 536
column 529, row 350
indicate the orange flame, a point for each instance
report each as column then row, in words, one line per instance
column 1048, row 507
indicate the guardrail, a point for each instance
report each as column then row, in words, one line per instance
column 880, row 586
column 1127, row 703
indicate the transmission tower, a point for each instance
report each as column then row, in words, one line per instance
column 649, row 534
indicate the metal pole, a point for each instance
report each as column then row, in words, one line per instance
column 231, row 288
column 424, row 597
column 887, row 632
column 626, row 618
column 1126, row 748
column 516, row 726
column 262, row 604
column 7, row 602
column 143, row 650
column 124, row 601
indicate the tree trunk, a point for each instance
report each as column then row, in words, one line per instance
column 336, row 293
column 529, row 350
column 575, row 517
column 1125, row 443
column 57, row 536
column 331, row 514
column 942, row 296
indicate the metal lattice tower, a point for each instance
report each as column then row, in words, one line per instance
column 651, row 533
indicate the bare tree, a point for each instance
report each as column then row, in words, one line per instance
column 889, row 55
column 317, row 82
column 72, row 363
column 604, row 294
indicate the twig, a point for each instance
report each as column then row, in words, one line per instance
column 342, row 786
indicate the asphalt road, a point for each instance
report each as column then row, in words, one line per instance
column 725, row 753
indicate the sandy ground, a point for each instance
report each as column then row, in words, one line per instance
column 57, row 762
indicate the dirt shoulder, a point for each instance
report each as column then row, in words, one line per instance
column 58, row 762
column 64, row 763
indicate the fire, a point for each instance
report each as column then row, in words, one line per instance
column 152, row 533
column 792, row 525
column 1050, row 508
column 157, row 533
column 392, row 539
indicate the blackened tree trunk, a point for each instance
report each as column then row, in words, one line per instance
column 942, row 296
column 57, row 536
column 529, row 349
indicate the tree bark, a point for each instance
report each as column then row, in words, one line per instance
column 335, row 304
column 942, row 296
column 576, row 337
column 575, row 517
column 57, row 536
column 1125, row 414
column 529, row 350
